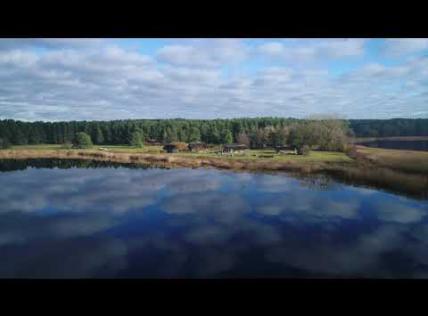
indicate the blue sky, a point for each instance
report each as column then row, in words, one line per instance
column 103, row 79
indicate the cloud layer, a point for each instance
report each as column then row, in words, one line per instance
column 84, row 79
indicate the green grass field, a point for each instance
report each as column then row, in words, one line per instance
column 403, row 160
column 111, row 148
column 265, row 154
column 410, row 161
column 130, row 149
column 37, row 147
column 251, row 154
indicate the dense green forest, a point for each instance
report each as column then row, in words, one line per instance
column 389, row 128
column 218, row 131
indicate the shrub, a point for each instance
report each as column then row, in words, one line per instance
column 351, row 151
column 82, row 140
column 67, row 145
column 137, row 139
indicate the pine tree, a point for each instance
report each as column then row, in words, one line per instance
column 194, row 135
column 4, row 143
column 137, row 139
column 20, row 138
column 99, row 138
column 228, row 138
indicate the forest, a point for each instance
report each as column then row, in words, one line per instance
column 253, row 131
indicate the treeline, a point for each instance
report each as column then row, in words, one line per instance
column 220, row 131
column 121, row 131
column 389, row 128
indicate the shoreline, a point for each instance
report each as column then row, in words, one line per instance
column 360, row 171
column 165, row 160
column 393, row 138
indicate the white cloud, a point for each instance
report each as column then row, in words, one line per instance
column 272, row 48
column 399, row 213
column 313, row 50
column 81, row 80
column 105, row 194
column 18, row 58
column 206, row 53
column 220, row 207
column 402, row 46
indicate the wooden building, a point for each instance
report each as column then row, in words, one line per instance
column 232, row 148
column 194, row 147
column 170, row 148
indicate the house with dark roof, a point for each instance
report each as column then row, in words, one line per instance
column 170, row 148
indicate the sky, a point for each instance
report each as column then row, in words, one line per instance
column 106, row 79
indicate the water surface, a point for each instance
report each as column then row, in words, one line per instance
column 421, row 145
column 102, row 220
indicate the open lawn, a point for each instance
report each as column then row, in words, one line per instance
column 266, row 154
column 110, row 148
column 251, row 154
column 130, row 149
column 401, row 160
column 37, row 147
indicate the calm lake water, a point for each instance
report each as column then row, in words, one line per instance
column 399, row 144
column 202, row 223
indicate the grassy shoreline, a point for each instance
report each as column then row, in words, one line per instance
column 251, row 160
column 399, row 171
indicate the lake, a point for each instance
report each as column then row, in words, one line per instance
column 96, row 220
column 398, row 144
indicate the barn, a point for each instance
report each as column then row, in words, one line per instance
column 232, row 148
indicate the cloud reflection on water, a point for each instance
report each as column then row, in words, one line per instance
column 202, row 223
